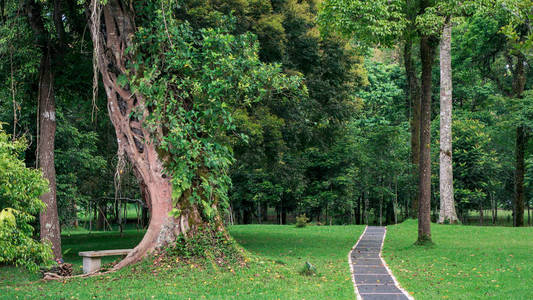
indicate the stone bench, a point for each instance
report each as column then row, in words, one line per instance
column 92, row 260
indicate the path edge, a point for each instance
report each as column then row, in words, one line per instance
column 356, row 290
column 388, row 269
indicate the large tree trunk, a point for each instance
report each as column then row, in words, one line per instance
column 414, row 96
column 111, row 37
column 48, row 218
column 447, row 205
column 427, row 56
column 519, row 81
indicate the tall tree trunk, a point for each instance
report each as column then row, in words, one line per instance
column 100, row 223
column 519, row 175
column 519, row 81
column 414, row 96
column 493, row 208
column 447, row 205
column 495, row 212
column 395, row 206
column 264, row 212
column 365, row 208
column 427, row 56
column 528, row 215
column 111, row 37
column 48, row 218
column 358, row 210
column 481, row 213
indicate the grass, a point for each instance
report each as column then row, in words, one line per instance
column 278, row 254
column 465, row 262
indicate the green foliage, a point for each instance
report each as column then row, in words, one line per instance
column 190, row 81
column 20, row 189
column 79, row 167
column 368, row 22
column 301, row 221
column 474, row 162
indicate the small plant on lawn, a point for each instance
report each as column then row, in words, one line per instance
column 308, row 270
column 301, row 221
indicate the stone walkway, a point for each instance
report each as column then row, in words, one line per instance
column 371, row 277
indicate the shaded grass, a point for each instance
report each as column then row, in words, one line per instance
column 277, row 255
column 465, row 262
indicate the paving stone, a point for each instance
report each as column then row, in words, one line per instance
column 377, row 288
column 364, row 255
column 366, row 262
column 373, row 279
column 370, row 270
column 365, row 245
column 370, row 242
column 384, row 297
column 367, row 250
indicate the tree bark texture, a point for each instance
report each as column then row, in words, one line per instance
column 519, row 81
column 414, row 96
column 519, row 175
column 427, row 56
column 48, row 218
column 113, row 35
column 447, row 206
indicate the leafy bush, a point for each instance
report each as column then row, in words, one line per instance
column 207, row 244
column 20, row 188
column 301, row 221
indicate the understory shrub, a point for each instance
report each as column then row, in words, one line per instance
column 207, row 245
column 20, row 188
column 301, row 221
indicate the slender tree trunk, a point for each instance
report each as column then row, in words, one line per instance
column 358, row 210
column 519, row 176
column 112, row 36
column 447, row 204
column 493, row 206
column 395, row 206
column 528, row 215
column 381, row 210
column 365, row 208
column 414, row 96
column 495, row 212
column 427, row 56
column 100, row 224
column 480, row 212
column 264, row 211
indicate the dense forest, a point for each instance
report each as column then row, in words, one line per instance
column 260, row 111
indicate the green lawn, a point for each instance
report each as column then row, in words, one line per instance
column 278, row 253
column 466, row 262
